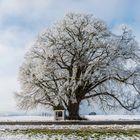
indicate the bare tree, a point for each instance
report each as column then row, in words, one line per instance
column 80, row 59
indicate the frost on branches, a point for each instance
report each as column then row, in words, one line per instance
column 80, row 59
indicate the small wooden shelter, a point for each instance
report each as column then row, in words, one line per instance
column 59, row 113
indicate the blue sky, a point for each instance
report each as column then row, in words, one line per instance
column 22, row 20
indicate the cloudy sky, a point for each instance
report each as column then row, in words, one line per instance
column 22, row 20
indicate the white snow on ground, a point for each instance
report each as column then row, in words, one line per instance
column 7, row 132
column 51, row 118
column 24, row 127
column 26, row 118
column 63, row 137
column 112, row 117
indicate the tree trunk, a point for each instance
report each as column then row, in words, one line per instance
column 73, row 111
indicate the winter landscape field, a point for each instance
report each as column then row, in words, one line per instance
column 69, row 132
column 62, row 59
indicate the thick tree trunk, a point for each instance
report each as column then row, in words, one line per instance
column 73, row 111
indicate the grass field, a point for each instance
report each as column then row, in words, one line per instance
column 69, row 132
column 83, row 133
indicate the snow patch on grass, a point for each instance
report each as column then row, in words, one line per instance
column 51, row 118
column 69, row 133
column 112, row 117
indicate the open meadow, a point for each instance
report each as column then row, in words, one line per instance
column 69, row 132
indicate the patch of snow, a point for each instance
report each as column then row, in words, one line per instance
column 7, row 134
column 112, row 117
column 51, row 118
column 75, row 127
column 26, row 118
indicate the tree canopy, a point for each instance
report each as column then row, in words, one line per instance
column 77, row 59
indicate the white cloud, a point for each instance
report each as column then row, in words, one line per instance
column 24, row 8
column 14, row 39
column 13, row 44
column 107, row 9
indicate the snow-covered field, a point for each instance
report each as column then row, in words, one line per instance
column 112, row 117
column 19, row 132
column 51, row 118
column 64, row 137
column 26, row 118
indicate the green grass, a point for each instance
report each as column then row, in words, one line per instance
column 83, row 132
